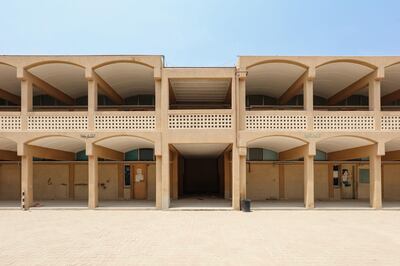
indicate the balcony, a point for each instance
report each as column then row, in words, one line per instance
column 343, row 121
column 126, row 120
column 200, row 119
column 57, row 121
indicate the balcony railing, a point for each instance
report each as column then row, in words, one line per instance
column 57, row 121
column 205, row 119
column 344, row 121
column 276, row 120
column 390, row 121
column 200, row 119
column 125, row 120
column 321, row 121
column 10, row 121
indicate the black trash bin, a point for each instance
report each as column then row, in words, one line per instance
column 246, row 205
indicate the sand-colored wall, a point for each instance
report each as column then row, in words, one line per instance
column 81, row 182
column 363, row 190
column 50, row 181
column 10, row 182
column 108, row 181
column 262, row 181
column 294, row 182
column 321, row 185
column 391, row 182
column 151, row 182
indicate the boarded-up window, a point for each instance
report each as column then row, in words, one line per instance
column 364, row 176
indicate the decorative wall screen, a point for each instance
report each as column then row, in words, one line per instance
column 200, row 121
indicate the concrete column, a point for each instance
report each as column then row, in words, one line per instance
column 165, row 163
column 308, row 95
column 227, row 176
column 308, row 98
column 165, row 184
column 26, row 180
column 374, row 94
column 159, row 182
column 375, row 181
column 243, row 177
column 92, row 103
column 242, row 104
column 158, row 103
column 93, row 186
column 308, row 181
column 235, row 178
column 26, row 102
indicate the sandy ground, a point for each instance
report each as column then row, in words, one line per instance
column 110, row 237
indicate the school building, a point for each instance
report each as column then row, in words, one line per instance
column 128, row 132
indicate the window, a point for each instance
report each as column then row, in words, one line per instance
column 127, row 180
column 364, row 176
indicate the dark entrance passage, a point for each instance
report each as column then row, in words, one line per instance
column 201, row 177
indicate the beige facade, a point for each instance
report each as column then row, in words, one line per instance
column 262, row 125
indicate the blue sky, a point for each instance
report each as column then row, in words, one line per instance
column 201, row 32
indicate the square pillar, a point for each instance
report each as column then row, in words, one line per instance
column 235, row 178
column 165, row 182
column 93, row 181
column 227, row 176
column 308, row 99
column 308, row 95
column 242, row 104
column 308, row 181
column 26, row 102
column 375, row 181
column 158, row 182
column 26, row 181
column 374, row 95
column 243, row 175
column 158, row 103
column 92, row 103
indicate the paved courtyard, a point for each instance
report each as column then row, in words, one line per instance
column 120, row 237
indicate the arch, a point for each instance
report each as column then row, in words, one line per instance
column 125, row 135
column 353, row 61
column 3, row 63
column 343, row 142
column 277, row 135
column 392, row 64
column 45, row 62
column 395, row 141
column 282, row 61
column 52, row 135
column 346, row 135
column 7, row 139
column 120, row 61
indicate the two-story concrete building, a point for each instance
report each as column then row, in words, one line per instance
column 126, row 131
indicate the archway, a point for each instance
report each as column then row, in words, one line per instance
column 125, row 86
column 390, row 176
column 10, row 88
column 58, row 86
column 126, row 172
column 390, row 88
column 342, row 85
column 275, row 174
column 58, row 176
column 343, row 176
column 10, row 178
column 275, row 85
